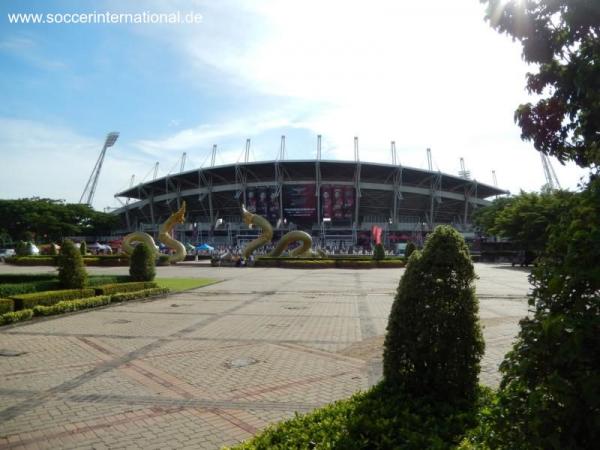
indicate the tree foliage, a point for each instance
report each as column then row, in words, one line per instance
column 525, row 218
column 434, row 343
column 51, row 220
column 562, row 39
column 71, row 270
column 549, row 396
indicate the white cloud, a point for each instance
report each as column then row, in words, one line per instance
column 425, row 74
column 45, row 160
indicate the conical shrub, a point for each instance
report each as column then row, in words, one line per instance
column 434, row 344
column 71, row 271
column 142, row 263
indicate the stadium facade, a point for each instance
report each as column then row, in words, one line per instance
column 336, row 201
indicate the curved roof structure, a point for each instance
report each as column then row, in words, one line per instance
column 382, row 192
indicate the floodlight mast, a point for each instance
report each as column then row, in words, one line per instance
column 90, row 187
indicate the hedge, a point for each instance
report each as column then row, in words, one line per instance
column 50, row 297
column 100, row 260
column 6, row 305
column 326, row 263
column 71, row 305
column 115, row 288
column 32, row 260
column 16, row 316
column 11, row 289
column 126, row 296
column 25, row 277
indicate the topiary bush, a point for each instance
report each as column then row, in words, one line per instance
column 434, row 344
column 83, row 248
column 52, row 249
column 410, row 248
column 378, row 252
column 71, row 271
column 142, row 263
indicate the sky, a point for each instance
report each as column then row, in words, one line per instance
column 426, row 74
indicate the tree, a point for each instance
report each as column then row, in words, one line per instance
column 562, row 39
column 549, row 396
column 71, row 271
column 434, row 343
column 52, row 220
column 83, row 248
column 142, row 263
column 525, row 218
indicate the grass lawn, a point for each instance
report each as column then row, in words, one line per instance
column 184, row 284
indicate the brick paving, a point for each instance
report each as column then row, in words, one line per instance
column 212, row 366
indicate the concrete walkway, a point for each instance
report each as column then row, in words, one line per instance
column 213, row 366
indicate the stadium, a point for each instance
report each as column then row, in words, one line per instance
column 337, row 202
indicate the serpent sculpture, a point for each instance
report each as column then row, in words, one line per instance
column 267, row 234
column 164, row 235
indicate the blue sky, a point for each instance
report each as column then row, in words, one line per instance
column 425, row 74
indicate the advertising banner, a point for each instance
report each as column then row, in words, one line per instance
column 263, row 200
column 299, row 202
column 337, row 203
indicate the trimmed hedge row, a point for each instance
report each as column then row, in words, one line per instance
column 11, row 289
column 16, row 316
column 77, row 304
column 6, row 305
column 126, row 296
column 71, row 305
column 115, row 288
column 100, row 260
column 302, row 263
column 25, row 277
column 50, row 297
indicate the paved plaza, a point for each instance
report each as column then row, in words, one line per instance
column 213, row 366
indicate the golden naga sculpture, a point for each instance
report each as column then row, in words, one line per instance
column 164, row 235
column 267, row 235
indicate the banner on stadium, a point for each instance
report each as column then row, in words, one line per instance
column 263, row 200
column 337, row 203
column 299, row 202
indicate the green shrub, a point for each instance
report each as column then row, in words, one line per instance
column 83, row 248
column 97, row 280
column 380, row 418
column 378, row 252
column 141, row 266
column 10, row 289
column 25, row 277
column 115, row 288
column 434, row 343
column 50, row 297
column 391, row 263
column 71, row 305
column 410, row 247
column 549, row 396
column 71, row 272
column 16, row 316
column 163, row 260
column 52, row 249
column 126, row 296
column 21, row 249
column 32, row 261
column 6, row 305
